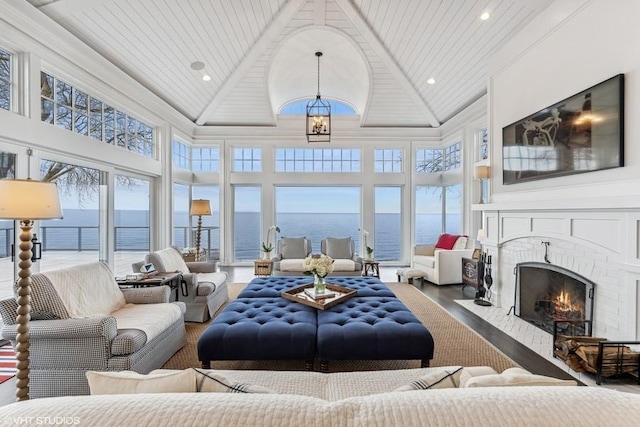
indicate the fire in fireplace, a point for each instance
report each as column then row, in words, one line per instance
column 546, row 293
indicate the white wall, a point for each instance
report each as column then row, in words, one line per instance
column 592, row 219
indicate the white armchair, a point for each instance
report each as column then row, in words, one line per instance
column 442, row 266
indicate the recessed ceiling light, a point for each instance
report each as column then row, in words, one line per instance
column 206, row 77
column 197, row 65
column 485, row 16
column 431, row 81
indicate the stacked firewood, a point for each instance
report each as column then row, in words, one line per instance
column 581, row 354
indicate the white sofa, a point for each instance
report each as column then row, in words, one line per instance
column 82, row 321
column 291, row 252
column 372, row 398
column 442, row 266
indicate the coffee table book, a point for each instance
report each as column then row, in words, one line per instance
column 300, row 295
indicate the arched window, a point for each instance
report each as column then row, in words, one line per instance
column 300, row 107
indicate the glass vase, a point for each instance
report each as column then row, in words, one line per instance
column 318, row 285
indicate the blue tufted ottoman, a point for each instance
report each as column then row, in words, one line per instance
column 371, row 328
column 274, row 286
column 260, row 329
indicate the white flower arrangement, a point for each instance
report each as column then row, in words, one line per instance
column 318, row 265
column 368, row 248
column 266, row 245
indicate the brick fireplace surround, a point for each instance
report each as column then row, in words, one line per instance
column 600, row 244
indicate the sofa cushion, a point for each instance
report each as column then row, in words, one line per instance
column 45, row 301
column 152, row 319
column 293, row 247
column 446, row 241
column 87, row 290
column 461, row 243
column 343, row 265
column 128, row 382
column 338, row 248
column 427, row 261
column 447, row 378
column 292, row 265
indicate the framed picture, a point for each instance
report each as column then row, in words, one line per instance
column 477, row 253
column 582, row 133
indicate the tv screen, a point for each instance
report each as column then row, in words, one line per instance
column 582, row 133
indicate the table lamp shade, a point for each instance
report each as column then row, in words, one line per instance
column 481, row 172
column 27, row 199
column 200, row 207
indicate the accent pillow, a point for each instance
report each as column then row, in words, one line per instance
column 516, row 377
column 292, row 247
column 209, row 382
column 440, row 379
column 474, row 371
column 128, row 382
column 446, row 241
column 338, row 248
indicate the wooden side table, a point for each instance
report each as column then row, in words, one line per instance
column 262, row 267
column 371, row 268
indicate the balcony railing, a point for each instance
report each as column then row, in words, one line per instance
column 86, row 238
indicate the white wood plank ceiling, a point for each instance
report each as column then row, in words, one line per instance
column 378, row 54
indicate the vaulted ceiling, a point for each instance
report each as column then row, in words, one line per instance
column 378, row 55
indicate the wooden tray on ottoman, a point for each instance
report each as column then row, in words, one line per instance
column 298, row 295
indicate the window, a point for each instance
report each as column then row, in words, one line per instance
column 388, row 223
column 5, row 80
column 318, row 212
column 453, row 209
column 132, row 218
column 72, row 109
column 205, row 159
column 299, row 107
column 7, row 170
column 247, row 160
column 433, row 160
column 246, row 222
column 483, row 136
column 180, row 154
column 317, row 160
column 388, row 161
column 181, row 215
column 438, row 210
column 210, row 234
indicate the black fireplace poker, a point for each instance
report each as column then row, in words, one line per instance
column 546, row 251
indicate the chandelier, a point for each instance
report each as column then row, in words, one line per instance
column 318, row 116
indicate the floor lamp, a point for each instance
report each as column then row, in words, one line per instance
column 26, row 200
column 199, row 207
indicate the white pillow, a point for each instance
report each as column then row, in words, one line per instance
column 474, row 371
column 210, row 382
column 516, row 377
column 130, row 382
column 461, row 243
column 440, row 379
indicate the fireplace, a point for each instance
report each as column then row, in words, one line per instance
column 546, row 293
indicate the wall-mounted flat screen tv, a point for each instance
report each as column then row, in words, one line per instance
column 582, row 133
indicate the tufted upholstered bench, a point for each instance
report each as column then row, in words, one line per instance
column 260, row 329
column 261, row 325
column 372, row 328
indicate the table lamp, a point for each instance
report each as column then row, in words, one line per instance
column 26, row 200
column 199, row 207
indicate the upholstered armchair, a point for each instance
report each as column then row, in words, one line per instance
column 343, row 251
column 205, row 291
column 442, row 261
column 290, row 254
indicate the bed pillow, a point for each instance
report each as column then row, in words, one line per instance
column 446, row 378
column 446, row 241
column 130, row 382
column 338, row 248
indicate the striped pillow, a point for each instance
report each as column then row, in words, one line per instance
column 209, row 382
column 441, row 379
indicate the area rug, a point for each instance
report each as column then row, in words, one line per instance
column 7, row 362
column 455, row 343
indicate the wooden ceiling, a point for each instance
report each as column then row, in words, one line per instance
column 377, row 54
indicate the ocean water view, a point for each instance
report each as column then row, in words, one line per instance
column 79, row 231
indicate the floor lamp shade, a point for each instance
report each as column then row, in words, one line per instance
column 29, row 199
column 199, row 207
column 26, row 200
